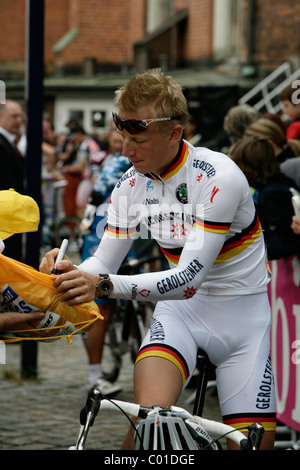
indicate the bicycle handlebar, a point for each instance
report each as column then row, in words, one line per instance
column 96, row 401
column 213, row 428
column 134, row 264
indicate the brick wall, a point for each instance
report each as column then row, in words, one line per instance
column 277, row 32
column 198, row 38
column 107, row 30
column 12, row 30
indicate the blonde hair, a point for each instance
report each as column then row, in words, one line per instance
column 267, row 129
column 295, row 146
column 152, row 89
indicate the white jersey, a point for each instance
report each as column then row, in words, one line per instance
column 201, row 213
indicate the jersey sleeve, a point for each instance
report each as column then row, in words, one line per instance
column 118, row 238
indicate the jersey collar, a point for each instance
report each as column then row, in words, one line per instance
column 176, row 165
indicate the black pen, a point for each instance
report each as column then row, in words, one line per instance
column 60, row 255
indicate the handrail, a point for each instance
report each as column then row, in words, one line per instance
column 262, row 88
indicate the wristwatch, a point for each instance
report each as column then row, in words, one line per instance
column 104, row 287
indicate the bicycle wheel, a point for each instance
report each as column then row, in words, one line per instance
column 68, row 227
column 112, row 353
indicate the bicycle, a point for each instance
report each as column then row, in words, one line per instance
column 166, row 429
column 171, row 428
column 130, row 321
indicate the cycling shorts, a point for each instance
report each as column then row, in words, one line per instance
column 235, row 333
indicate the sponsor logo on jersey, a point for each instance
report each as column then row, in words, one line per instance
column 189, row 292
column 178, row 231
column 125, row 177
column 149, row 186
column 263, row 398
column 145, row 292
column 134, row 292
column 171, row 216
column 183, row 278
column 181, row 193
column 157, row 332
column 204, row 166
column 151, row 200
column 213, row 193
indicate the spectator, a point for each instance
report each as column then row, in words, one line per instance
column 237, row 119
column 287, row 152
column 12, row 163
column 190, row 132
column 275, row 118
column 290, row 100
column 65, row 159
column 89, row 159
column 256, row 159
column 271, row 131
column 295, row 226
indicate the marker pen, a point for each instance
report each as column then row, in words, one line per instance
column 60, row 255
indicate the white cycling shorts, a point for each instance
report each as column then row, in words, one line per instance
column 235, row 333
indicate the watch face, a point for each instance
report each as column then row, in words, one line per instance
column 106, row 287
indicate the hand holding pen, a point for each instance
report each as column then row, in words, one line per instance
column 60, row 255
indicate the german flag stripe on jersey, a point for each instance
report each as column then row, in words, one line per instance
column 268, row 420
column 176, row 164
column 172, row 255
column 119, row 232
column 207, row 226
column 166, row 352
column 240, row 241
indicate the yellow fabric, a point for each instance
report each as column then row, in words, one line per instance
column 24, row 289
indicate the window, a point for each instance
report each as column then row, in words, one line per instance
column 227, row 23
column 76, row 115
column 98, row 118
column 158, row 11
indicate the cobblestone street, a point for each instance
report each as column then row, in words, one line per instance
column 44, row 414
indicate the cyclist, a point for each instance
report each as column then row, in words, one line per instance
column 198, row 206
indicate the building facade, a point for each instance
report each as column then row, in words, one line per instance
column 92, row 46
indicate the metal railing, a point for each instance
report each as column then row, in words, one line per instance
column 265, row 92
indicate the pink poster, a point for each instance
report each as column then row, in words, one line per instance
column 284, row 294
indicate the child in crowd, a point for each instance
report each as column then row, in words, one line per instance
column 290, row 99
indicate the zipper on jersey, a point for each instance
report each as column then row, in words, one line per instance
column 162, row 182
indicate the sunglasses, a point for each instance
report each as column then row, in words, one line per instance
column 135, row 126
